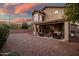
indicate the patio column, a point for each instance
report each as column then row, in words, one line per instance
column 66, row 30
column 37, row 30
column 34, row 29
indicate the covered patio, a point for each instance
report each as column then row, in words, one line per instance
column 58, row 29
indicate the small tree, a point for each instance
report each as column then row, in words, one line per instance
column 72, row 12
column 24, row 25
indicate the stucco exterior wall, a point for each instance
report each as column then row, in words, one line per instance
column 53, row 13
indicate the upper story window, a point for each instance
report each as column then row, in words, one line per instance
column 38, row 17
column 60, row 12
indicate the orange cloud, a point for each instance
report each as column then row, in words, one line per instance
column 3, row 11
column 24, row 7
column 21, row 20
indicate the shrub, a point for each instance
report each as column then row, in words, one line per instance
column 24, row 25
column 4, row 33
column 7, row 26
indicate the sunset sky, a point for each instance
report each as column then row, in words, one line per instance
column 21, row 10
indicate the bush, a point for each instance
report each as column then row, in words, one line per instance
column 4, row 33
column 24, row 25
column 14, row 26
column 7, row 26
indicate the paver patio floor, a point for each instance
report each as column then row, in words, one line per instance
column 26, row 44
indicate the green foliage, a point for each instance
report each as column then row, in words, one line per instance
column 72, row 12
column 4, row 32
column 14, row 26
column 30, row 26
column 7, row 26
column 10, row 26
column 24, row 25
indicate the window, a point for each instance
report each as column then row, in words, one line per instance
column 36, row 17
column 40, row 18
column 61, row 11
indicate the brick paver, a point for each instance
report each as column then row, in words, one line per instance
column 26, row 44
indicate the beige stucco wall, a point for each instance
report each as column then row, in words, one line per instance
column 51, row 15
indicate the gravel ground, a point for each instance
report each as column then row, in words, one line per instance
column 23, row 44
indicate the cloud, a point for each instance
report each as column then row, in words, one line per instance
column 24, row 7
column 22, row 14
column 21, row 20
column 9, row 4
column 3, row 11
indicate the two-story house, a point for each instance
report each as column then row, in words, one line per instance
column 49, row 22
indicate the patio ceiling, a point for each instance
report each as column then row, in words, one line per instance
column 49, row 22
